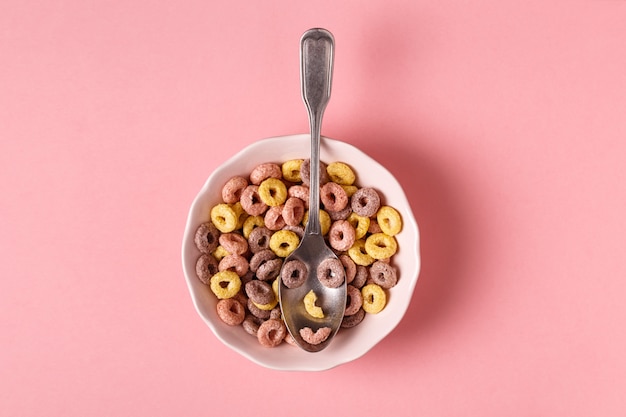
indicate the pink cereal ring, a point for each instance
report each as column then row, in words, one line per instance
column 271, row 333
column 234, row 243
column 206, row 238
column 251, row 201
column 274, row 219
column 349, row 266
column 341, row 235
column 300, row 191
column 265, row 171
column 333, row 197
column 354, row 302
column 236, row 263
column 315, row 337
column 231, row 311
column 365, row 202
column 330, row 272
column 293, row 211
column 231, row 191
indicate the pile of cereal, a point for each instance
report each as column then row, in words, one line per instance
column 260, row 222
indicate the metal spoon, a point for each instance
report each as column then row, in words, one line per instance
column 316, row 65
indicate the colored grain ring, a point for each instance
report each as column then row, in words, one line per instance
column 383, row 274
column 271, row 333
column 231, row 311
column 251, row 201
column 365, row 202
column 294, row 273
column 341, row 235
column 330, row 273
column 206, row 267
column 231, row 191
column 207, row 237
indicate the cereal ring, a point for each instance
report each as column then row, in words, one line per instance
column 361, row 276
column 291, row 170
column 353, row 320
column 273, row 192
column 341, row 235
column 220, row 252
column 350, row 189
column 349, row 266
column 290, row 340
column 330, row 272
column 224, row 218
column 374, row 227
column 251, row 223
column 340, row 215
column 231, row 311
column 269, row 269
column 241, row 214
column 270, row 306
column 354, row 300
column 309, row 305
column 231, row 192
column 333, row 197
column 234, row 243
column 257, row 312
column 361, row 224
column 324, row 221
column 365, row 202
column 274, row 219
column 206, row 238
column 251, row 201
column 305, row 172
column 341, row 173
column 251, row 324
column 298, row 230
column 271, row 333
column 206, row 267
column 260, row 258
column 259, row 239
column 260, row 292
column 276, row 313
column 358, row 253
column 315, row 338
column 389, row 220
column 265, row 171
column 225, row 284
column 374, row 298
column 293, row 211
column 300, row 191
column 294, row 273
column 383, row 274
column 283, row 242
column 236, row 263
column 381, row 246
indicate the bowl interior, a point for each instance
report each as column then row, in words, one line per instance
column 349, row 344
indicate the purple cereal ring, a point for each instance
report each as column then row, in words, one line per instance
column 300, row 191
column 206, row 267
column 251, row 201
column 259, row 292
column 231, row 192
column 315, row 337
column 259, row 239
column 353, row 320
column 236, row 263
column 231, row 311
column 298, row 230
column 330, row 272
column 261, row 257
column 207, row 237
column 333, row 197
column 274, row 218
column 361, row 277
column 365, row 202
column 294, row 273
column 340, row 215
column 383, row 274
column 341, row 235
column 257, row 312
column 275, row 313
column 269, row 269
column 234, row 243
column 264, row 171
column 349, row 266
column 251, row 324
column 293, row 211
column 354, row 300
column 305, row 172
column 271, row 333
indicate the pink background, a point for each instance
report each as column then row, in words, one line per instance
column 505, row 122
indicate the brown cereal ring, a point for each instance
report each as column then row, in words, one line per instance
column 231, row 311
column 234, row 243
column 259, row 239
column 264, row 171
column 283, row 242
column 333, row 196
column 361, row 224
column 293, row 211
column 224, row 218
column 298, row 230
column 381, row 246
column 241, row 296
column 358, row 253
column 251, row 223
column 206, row 267
column 374, row 227
column 361, row 276
column 251, row 201
column 257, row 312
column 260, row 292
column 269, row 269
column 354, row 300
column 349, row 266
column 315, row 338
column 236, row 263
column 294, row 273
column 274, row 219
column 291, row 170
column 341, row 173
column 383, row 274
column 374, row 298
column 365, row 202
column 260, row 257
column 206, row 238
column 225, row 284
column 341, row 235
column 305, row 172
column 251, row 324
column 340, row 215
column 276, row 313
column 330, row 272
column 300, row 191
column 271, row 333
column 273, row 192
column 389, row 220
column 231, row 191
column 353, row 320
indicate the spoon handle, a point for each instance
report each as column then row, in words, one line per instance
column 316, row 69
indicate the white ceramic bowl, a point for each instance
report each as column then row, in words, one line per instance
column 349, row 344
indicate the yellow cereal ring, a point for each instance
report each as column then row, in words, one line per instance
column 225, row 284
column 361, row 224
column 359, row 255
column 340, row 173
column 349, row 189
column 374, row 298
column 291, row 170
column 241, row 214
column 283, row 242
column 309, row 304
column 389, row 220
column 250, row 223
column 224, row 218
column 325, row 221
column 273, row 192
column 220, row 252
column 381, row 246
column 270, row 305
